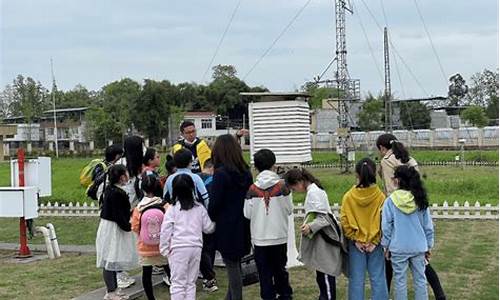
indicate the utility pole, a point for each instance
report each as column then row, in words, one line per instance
column 387, row 91
column 54, row 87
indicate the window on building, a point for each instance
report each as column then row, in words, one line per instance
column 206, row 123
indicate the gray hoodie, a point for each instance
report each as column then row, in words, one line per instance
column 268, row 205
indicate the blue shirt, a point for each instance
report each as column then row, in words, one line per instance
column 406, row 233
column 201, row 190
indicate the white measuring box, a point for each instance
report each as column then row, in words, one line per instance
column 19, row 202
column 37, row 173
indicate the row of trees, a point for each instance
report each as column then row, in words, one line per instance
column 126, row 105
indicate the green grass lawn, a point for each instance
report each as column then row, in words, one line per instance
column 465, row 257
column 443, row 183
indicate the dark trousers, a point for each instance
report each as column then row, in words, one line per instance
column 110, row 280
column 235, row 283
column 147, row 283
column 273, row 276
column 430, row 274
column 207, row 257
column 327, row 286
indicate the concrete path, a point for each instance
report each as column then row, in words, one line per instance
column 90, row 249
column 134, row 291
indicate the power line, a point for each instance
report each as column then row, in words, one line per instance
column 277, row 38
column 222, row 39
column 430, row 40
column 394, row 49
column 369, row 46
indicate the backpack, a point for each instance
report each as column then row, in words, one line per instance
column 87, row 172
column 94, row 187
column 150, row 224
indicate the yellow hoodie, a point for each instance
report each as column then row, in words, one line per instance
column 360, row 214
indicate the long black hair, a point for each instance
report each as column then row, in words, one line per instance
column 133, row 154
column 183, row 191
column 365, row 169
column 389, row 141
column 409, row 180
column 294, row 176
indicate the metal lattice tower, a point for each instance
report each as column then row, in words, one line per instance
column 348, row 90
column 387, row 91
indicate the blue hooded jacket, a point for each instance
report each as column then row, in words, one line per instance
column 405, row 228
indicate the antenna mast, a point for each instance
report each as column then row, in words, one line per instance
column 54, row 87
column 387, row 92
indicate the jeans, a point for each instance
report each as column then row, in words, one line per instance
column 374, row 262
column 235, row 284
column 400, row 263
column 430, row 274
column 273, row 276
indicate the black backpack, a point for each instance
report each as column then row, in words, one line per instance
column 94, row 187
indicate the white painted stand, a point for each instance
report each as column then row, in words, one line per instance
column 292, row 252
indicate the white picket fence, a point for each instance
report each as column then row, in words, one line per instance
column 445, row 211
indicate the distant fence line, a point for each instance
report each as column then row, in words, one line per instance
column 418, row 138
column 445, row 211
column 424, row 163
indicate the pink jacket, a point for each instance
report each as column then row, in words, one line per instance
column 184, row 228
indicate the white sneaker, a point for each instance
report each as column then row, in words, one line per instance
column 124, row 280
column 166, row 279
column 114, row 296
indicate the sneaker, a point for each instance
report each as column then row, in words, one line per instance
column 210, row 285
column 114, row 296
column 122, row 294
column 166, row 279
column 124, row 280
column 157, row 270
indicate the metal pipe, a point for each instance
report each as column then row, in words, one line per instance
column 53, row 240
column 48, row 244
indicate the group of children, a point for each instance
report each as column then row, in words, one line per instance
column 170, row 227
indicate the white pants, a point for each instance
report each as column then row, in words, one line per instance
column 184, row 264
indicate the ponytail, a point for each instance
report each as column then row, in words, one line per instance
column 365, row 169
column 294, row 176
column 389, row 141
column 409, row 179
column 400, row 151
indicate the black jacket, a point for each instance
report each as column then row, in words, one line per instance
column 116, row 207
column 227, row 197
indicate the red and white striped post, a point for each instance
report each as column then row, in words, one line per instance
column 24, row 251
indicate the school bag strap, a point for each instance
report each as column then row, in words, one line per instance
column 328, row 239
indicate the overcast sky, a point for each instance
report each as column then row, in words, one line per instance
column 94, row 42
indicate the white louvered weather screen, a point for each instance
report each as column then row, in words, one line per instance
column 283, row 127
